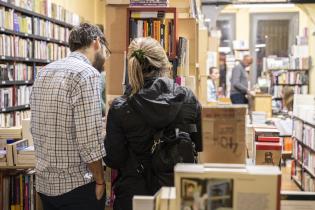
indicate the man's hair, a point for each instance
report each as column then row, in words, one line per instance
column 83, row 35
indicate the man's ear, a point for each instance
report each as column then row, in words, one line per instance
column 96, row 44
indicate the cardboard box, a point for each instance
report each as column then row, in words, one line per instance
column 223, row 134
column 263, row 103
column 268, row 153
column 227, row 187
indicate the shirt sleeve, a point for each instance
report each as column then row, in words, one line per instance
column 236, row 80
column 88, row 119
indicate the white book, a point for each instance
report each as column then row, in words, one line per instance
column 143, row 202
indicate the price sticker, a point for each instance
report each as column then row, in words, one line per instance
column 4, row 110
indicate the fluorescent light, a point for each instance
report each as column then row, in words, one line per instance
column 249, row 6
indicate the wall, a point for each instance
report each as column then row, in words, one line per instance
column 93, row 11
column 306, row 19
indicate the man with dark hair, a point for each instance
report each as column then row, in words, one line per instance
column 239, row 82
column 66, row 125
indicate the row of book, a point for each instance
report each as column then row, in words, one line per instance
column 49, row 51
column 277, row 91
column 150, row 3
column 48, row 29
column 17, row 72
column 309, row 136
column 21, row 93
column 15, row 21
column 18, row 191
column 293, row 62
column 49, row 9
column 161, row 30
column 290, row 77
column 308, row 183
column 13, row 119
column 15, row 46
column 309, row 160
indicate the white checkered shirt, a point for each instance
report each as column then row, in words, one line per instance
column 66, row 124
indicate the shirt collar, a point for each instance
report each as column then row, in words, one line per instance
column 80, row 56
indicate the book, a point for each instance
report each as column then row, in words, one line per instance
column 6, row 72
column 228, row 187
column 143, row 202
column 6, row 45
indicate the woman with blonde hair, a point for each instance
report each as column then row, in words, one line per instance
column 152, row 103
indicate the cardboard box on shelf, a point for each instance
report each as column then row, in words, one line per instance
column 223, row 134
column 268, row 153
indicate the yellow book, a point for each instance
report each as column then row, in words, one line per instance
column 21, row 192
column 166, row 36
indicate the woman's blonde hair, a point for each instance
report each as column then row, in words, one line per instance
column 288, row 95
column 146, row 58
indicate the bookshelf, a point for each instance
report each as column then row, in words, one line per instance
column 303, row 170
column 158, row 21
column 28, row 41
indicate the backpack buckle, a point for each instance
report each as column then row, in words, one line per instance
column 140, row 169
column 156, row 142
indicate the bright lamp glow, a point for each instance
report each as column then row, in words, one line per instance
column 248, row 6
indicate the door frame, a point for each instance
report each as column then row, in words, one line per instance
column 293, row 17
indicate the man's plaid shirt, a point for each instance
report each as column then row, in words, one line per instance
column 66, row 124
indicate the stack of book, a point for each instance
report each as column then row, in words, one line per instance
column 6, row 45
column 149, row 3
column 268, row 147
column 22, row 23
column 300, row 58
column 49, row 51
column 11, row 119
column 144, row 24
column 11, row 133
column 3, row 157
column 25, row 156
column 276, row 63
column 22, row 95
column 18, row 191
column 289, row 78
column 6, row 18
column 6, row 99
column 23, row 47
column 259, row 118
column 23, row 72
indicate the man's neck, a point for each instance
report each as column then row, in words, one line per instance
column 87, row 55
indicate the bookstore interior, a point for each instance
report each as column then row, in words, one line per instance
column 249, row 63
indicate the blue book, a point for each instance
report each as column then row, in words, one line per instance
column 16, row 26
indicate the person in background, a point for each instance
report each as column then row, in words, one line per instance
column 287, row 97
column 151, row 102
column 66, row 125
column 214, row 75
column 222, row 67
column 239, row 82
column 101, row 69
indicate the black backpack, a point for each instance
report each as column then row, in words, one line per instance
column 171, row 145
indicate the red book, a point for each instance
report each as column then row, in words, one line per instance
column 268, row 139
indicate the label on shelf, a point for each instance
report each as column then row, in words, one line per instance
column 3, row 57
column 48, row 39
column 26, row 34
column 3, row 82
column 27, row 105
column 26, row 81
column 3, row 109
column 1, row 29
column 27, row 59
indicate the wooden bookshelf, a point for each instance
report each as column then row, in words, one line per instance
column 304, row 150
column 163, row 10
column 34, row 14
column 31, row 60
